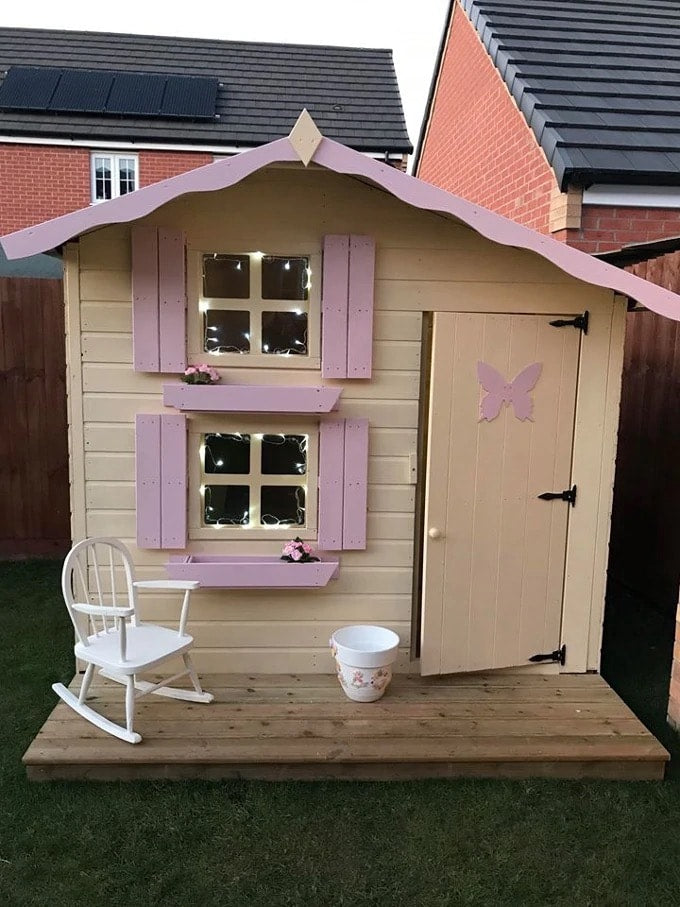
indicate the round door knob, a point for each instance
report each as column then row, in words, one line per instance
column 435, row 533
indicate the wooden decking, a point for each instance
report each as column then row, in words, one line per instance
column 302, row 726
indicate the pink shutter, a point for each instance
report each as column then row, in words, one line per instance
column 335, row 290
column 331, row 483
column 354, row 507
column 148, row 480
column 360, row 314
column 158, row 300
column 174, row 481
column 161, row 481
column 172, row 300
column 347, row 306
column 145, row 332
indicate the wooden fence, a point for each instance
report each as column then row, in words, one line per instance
column 645, row 540
column 34, row 485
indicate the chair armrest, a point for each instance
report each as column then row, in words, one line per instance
column 104, row 610
column 170, row 585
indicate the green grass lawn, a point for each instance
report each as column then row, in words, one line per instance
column 234, row 843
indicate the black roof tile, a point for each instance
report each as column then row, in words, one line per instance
column 351, row 92
column 597, row 81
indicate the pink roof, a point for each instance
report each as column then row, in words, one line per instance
column 341, row 159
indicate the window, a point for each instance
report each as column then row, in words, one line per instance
column 257, row 309
column 253, row 479
column 113, row 175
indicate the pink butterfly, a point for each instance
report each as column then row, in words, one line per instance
column 499, row 392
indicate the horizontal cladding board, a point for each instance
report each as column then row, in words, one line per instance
column 122, row 523
column 116, row 317
column 123, row 408
column 297, row 661
column 103, row 494
column 117, row 438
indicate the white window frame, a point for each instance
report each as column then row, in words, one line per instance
column 252, row 425
column 116, row 158
column 255, row 305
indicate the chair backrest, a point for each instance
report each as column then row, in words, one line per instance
column 97, row 572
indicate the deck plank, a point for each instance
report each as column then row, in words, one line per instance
column 302, row 726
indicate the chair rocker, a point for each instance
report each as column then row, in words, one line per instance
column 111, row 639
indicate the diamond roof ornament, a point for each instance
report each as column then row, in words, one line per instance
column 305, row 137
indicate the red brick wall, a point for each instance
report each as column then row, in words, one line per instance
column 605, row 228
column 38, row 182
column 478, row 143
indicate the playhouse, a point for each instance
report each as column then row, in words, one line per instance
column 424, row 391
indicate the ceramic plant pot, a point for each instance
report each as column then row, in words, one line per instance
column 364, row 657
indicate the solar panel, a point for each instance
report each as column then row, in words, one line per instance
column 189, row 97
column 136, row 93
column 107, row 92
column 81, row 89
column 28, row 87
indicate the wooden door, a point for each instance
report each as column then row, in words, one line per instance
column 494, row 553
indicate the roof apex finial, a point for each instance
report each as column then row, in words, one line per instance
column 305, row 137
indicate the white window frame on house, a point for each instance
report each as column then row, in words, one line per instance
column 255, row 305
column 245, row 424
column 115, row 160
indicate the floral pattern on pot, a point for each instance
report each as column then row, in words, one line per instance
column 363, row 684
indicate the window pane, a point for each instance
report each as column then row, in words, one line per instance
column 284, row 333
column 285, row 278
column 227, row 331
column 283, row 505
column 284, row 455
column 227, row 454
column 227, row 505
column 226, row 276
column 103, row 183
column 126, row 175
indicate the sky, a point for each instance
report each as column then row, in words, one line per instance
column 411, row 29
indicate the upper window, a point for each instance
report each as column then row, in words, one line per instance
column 253, row 477
column 113, row 175
column 257, row 309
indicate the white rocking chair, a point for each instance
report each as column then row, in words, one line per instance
column 113, row 640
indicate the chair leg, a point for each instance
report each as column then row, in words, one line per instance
column 129, row 702
column 85, row 685
column 191, row 671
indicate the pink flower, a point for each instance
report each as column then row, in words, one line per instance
column 204, row 368
column 296, row 554
column 307, row 548
column 214, row 375
column 190, row 371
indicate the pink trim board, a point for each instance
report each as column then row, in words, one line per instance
column 256, row 572
column 250, row 398
column 338, row 158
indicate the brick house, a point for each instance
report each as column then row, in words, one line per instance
column 565, row 117
column 85, row 117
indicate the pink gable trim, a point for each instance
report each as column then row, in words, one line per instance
column 145, row 336
column 344, row 160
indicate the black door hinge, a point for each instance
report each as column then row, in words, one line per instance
column 559, row 656
column 580, row 322
column 569, row 496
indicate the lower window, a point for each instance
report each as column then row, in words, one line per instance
column 252, row 480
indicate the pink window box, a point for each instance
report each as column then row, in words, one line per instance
column 252, row 398
column 256, row 572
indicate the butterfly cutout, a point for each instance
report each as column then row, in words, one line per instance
column 499, row 391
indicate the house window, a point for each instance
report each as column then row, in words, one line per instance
column 113, row 175
column 257, row 309
column 254, row 479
